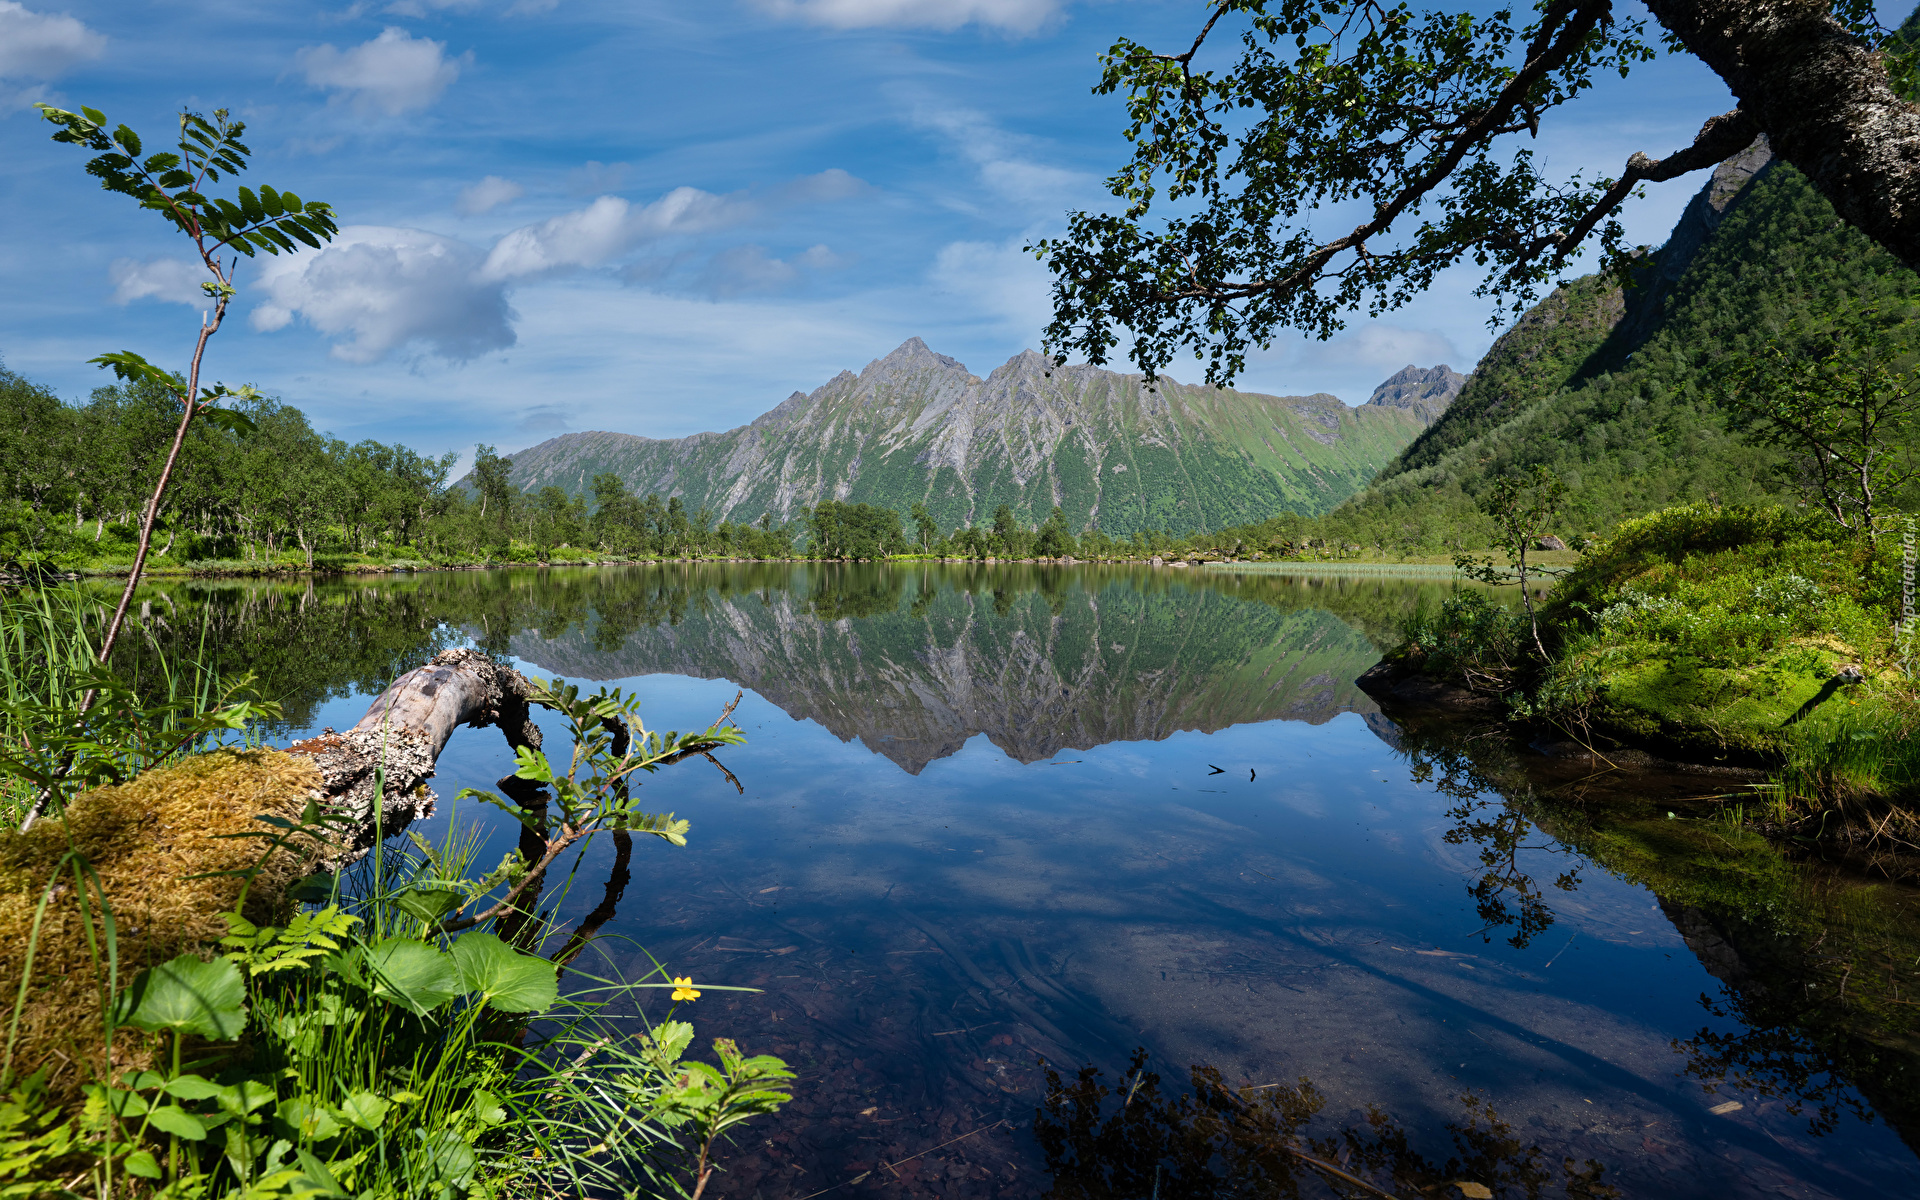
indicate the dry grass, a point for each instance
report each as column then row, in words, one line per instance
column 144, row 838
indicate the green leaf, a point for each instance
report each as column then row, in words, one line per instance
column 312, row 889
column 430, row 900
column 128, row 139
column 448, row 1155
column 249, row 203
column 191, row 1087
column 186, row 996
column 121, row 1104
column 247, row 1095
column 93, row 114
column 668, row 1041
column 313, row 1121
column 237, row 423
column 270, row 202
column 486, row 1106
column 291, row 201
column 141, row 1163
column 171, row 1118
column 365, row 1110
column 412, row 974
column 504, row 977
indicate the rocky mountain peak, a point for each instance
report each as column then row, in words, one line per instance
column 1423, row 391
column 908, row 357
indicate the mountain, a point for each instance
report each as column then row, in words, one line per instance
column 1620, row 390
column 1423, row 391
column 1108, row 448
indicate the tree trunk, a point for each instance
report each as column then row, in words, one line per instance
column 1824, row 101
column 403, row 734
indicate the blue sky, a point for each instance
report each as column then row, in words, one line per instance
column 648, row 217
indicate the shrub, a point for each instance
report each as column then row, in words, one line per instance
column 1468, row 637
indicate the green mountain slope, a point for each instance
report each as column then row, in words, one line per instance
column 917, row 426
column 1618, row 391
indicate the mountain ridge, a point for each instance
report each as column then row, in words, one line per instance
column 918, row 426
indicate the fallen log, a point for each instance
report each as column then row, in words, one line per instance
column 396, row 746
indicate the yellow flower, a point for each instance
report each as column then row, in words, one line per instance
column 683, row 988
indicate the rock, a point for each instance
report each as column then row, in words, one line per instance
column 1394, row 681
column 1155, row 561
column 1550, row 542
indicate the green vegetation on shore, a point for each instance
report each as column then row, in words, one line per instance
column 1749, row 636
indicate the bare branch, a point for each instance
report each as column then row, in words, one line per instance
column 1720, row 138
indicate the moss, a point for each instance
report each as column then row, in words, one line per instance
column 1724, row 632
column 145, row 839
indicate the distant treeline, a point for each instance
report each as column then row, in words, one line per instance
column 73, row 479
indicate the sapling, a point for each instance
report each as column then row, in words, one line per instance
column 1521, row 506
column 171, row 183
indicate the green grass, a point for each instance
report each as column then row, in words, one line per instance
column 1723, row 633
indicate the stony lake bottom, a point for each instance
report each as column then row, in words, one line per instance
column 993, row 822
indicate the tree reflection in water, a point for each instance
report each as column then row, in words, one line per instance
column 1787, row 1062
column 1504, row 894
column 1815, row 960
column 1217, row 1141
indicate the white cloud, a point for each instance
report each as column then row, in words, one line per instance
column 378, row 289
column 490, row 193
column 1009, row 164
column 421, row 8
column 597, row 178
column 393, row 73
column 1383, row 348
column 1014, row 16
column 822, row 258
column 746, row 269
column 173, row 280
column 610, row 226
column 42, row 45
column 1003, row 285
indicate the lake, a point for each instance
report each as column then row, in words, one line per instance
column 991, row 818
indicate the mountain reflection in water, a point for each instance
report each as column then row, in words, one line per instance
column 1238, row 861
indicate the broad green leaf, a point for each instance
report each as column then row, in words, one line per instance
column 486, row 1106
column 270, row 202
column 171, row 1118
column 313, row 889
column 187, row 996
column 431, row 899
column 246, row 1096
column 412, row 974
column 365, row 1110
column 314, row 1121
column 448, row 1155
column 507, row 979
column 318, row 1175
column 141, row 1163
column 191, row 1087
column 120, row 1103
column 668, row 1041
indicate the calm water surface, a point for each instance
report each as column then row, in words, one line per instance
column 992, row 816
